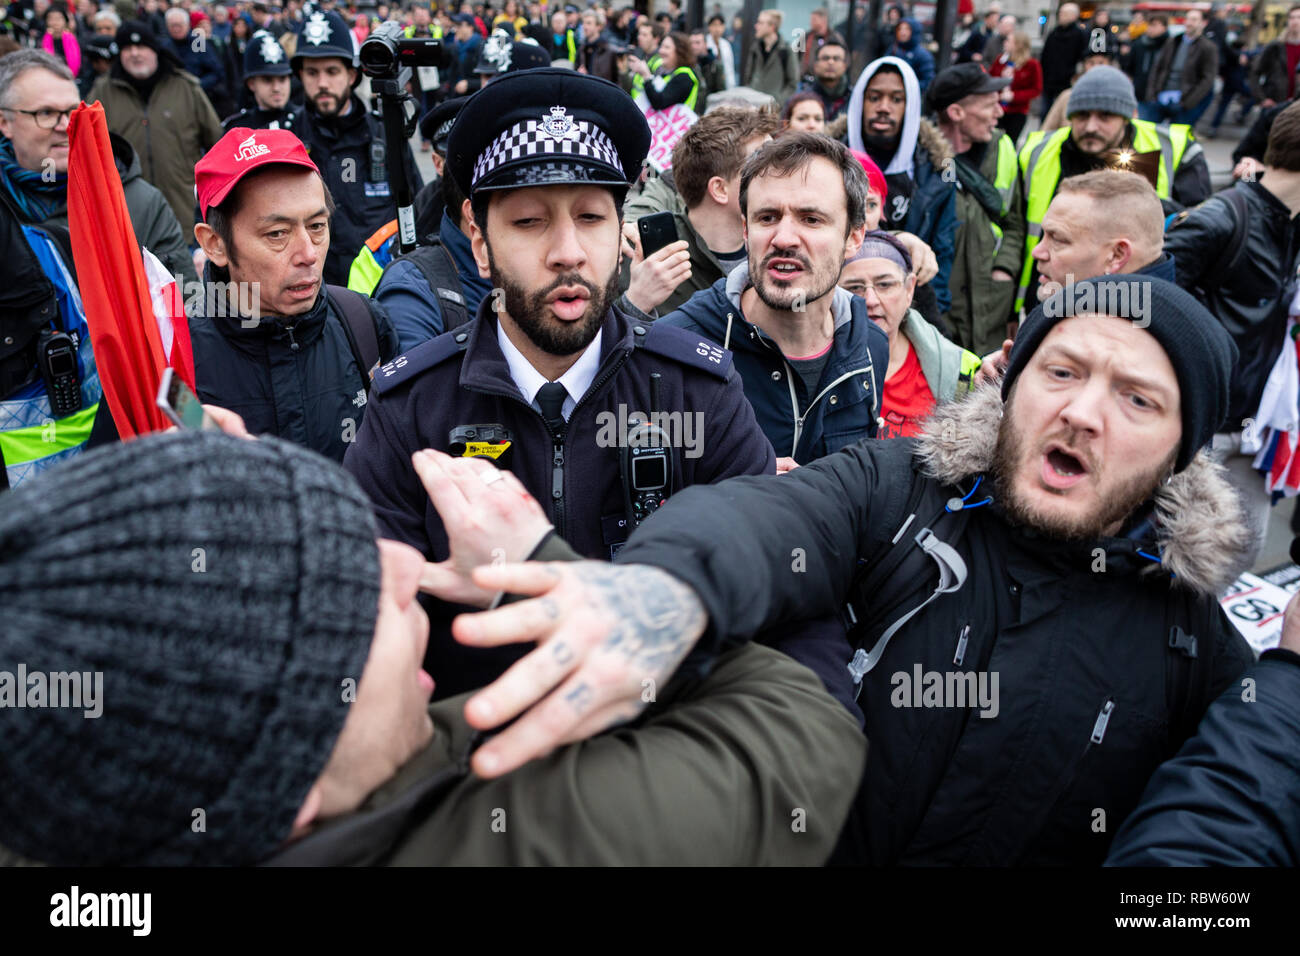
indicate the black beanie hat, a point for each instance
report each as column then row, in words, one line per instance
column 224, row 589
column 136, row 33
column 1201, row 352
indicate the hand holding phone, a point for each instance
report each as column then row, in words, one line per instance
column 180, row 404
column 656, row 231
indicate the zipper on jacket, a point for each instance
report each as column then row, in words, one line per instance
column 800, row 419
column 1103, row 718
column 558, row 440
column 962, row 638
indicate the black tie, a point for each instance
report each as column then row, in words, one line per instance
column 550, row 397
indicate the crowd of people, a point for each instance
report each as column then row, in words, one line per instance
column 775, row 448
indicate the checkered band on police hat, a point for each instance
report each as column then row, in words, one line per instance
column 555, row 135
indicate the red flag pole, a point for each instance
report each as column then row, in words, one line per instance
column 110, row 275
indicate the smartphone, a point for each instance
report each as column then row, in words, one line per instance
column 656, row 231
column 180, row 404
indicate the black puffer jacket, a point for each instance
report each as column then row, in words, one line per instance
column 1090, row 697
column 296, row 380
column 1232, row 795
column 341, row 147
column 1251, row 300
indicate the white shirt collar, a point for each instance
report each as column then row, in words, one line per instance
column 529, row 381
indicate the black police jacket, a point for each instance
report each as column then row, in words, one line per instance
column 346, row 150
column 1253, row 300
column 1086, row 685
column 462, row 378
column 299, row 381
column 254, row 117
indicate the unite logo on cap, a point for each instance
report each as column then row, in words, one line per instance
column 250, row 149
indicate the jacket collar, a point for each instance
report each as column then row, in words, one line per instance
column 1162, row 268
column 1200, row 532
column 301, row 329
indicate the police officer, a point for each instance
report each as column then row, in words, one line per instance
column 432, row 290
column 548, row 377
column 345, row 141
column 269, row 78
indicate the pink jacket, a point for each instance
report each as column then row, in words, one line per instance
column 71, row 50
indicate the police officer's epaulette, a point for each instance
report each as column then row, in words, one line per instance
column 683, row 346
column 420, row 359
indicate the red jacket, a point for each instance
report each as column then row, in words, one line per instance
column 1026, row 82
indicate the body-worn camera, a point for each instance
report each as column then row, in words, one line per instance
column 481, row 441
column 387, row 49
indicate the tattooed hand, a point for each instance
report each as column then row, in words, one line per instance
column 605, row 635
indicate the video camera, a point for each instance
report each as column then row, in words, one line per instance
column 387, row 57
column 387, row 49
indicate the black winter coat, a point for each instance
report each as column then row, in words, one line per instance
column 1062, row 50
column 1252, row 299
column 363, row 197
column 296, row 380
column 1072, row 633
column 462, row 378
column 1232, row 795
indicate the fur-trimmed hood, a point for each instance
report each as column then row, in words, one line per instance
column 1202, row 535
column 935, row 143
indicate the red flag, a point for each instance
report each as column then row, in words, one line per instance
column 110, row 274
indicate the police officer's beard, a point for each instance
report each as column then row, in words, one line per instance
column 1115, row 504
column 530, row 312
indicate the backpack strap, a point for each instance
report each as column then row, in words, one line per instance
column 914, row 540
column 359, row 327
column 439, row 270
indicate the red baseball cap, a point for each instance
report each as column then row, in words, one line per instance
column 240, row 152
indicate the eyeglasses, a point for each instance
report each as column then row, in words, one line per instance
column 884, row 287
column 46, row 119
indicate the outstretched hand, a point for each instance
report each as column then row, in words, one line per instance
column 488, row 515
column 608, row 636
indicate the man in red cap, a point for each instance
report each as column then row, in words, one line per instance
column 271, row 341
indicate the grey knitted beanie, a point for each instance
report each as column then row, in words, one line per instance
column 223, row 590
column 1103, row 88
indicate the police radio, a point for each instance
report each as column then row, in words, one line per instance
column 646, row 463
column 56, row 355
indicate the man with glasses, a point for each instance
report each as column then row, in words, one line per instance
column 49, row 386
column 830, row 78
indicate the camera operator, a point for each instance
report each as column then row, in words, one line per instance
column 344, row 140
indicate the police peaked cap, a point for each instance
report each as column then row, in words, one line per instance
column 547, row 127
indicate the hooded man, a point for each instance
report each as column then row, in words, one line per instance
column 885, row 123
column 1056, row 549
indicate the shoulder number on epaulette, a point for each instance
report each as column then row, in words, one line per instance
column 421, row 358
column 687, row 348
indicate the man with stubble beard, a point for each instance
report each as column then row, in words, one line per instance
column 1034, row 581
column 546, row 378
column 344, row 140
